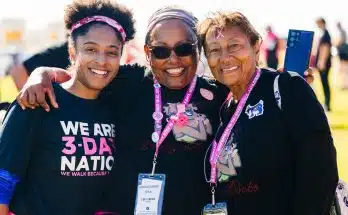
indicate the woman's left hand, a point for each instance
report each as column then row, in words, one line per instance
column 308, row 75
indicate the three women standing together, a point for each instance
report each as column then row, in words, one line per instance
column 271, row 154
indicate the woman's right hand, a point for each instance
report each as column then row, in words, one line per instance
column 33, row 93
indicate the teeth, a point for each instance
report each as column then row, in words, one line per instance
column 230, row 69
column 99, row 72
column 175, row 71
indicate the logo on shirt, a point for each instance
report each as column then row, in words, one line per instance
column 228, row 161
column 191, row 126
column 88, row 149
column 256, row 110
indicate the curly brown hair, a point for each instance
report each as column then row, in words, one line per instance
column 80, row 9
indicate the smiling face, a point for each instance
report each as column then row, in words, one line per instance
column 231, row 57
column 96, row 57
column 174, row 72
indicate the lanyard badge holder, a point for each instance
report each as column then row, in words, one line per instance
column 150, row 194
column 221, row 207
column 215, row 208
column 150, row 191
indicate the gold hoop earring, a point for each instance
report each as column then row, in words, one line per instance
column 148, row 59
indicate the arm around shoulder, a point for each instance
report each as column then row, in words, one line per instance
column 38, row 85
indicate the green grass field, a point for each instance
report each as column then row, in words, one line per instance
column 338, row 119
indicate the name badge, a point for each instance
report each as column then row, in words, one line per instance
column 150, row 193
column 217, row 209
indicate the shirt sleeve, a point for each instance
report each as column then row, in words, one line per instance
column 54, row 57
column 314, row 153
column 326, row 39
column 17, row 139
column 124, row 87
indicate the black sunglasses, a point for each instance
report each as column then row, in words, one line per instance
column 182, row 50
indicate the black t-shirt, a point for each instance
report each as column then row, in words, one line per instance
column 64, row 158
column 181, row 156
column 325, row 39
column 56, row 56
column 277, row 161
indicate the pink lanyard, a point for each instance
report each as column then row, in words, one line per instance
column 217, row 148
column 157, row 136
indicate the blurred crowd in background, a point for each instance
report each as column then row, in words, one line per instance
column 17, row 45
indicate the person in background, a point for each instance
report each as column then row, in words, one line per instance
column 270, row 45
column 342, row 34
column 323, row 60
column 342, row 48
column 55, row 56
